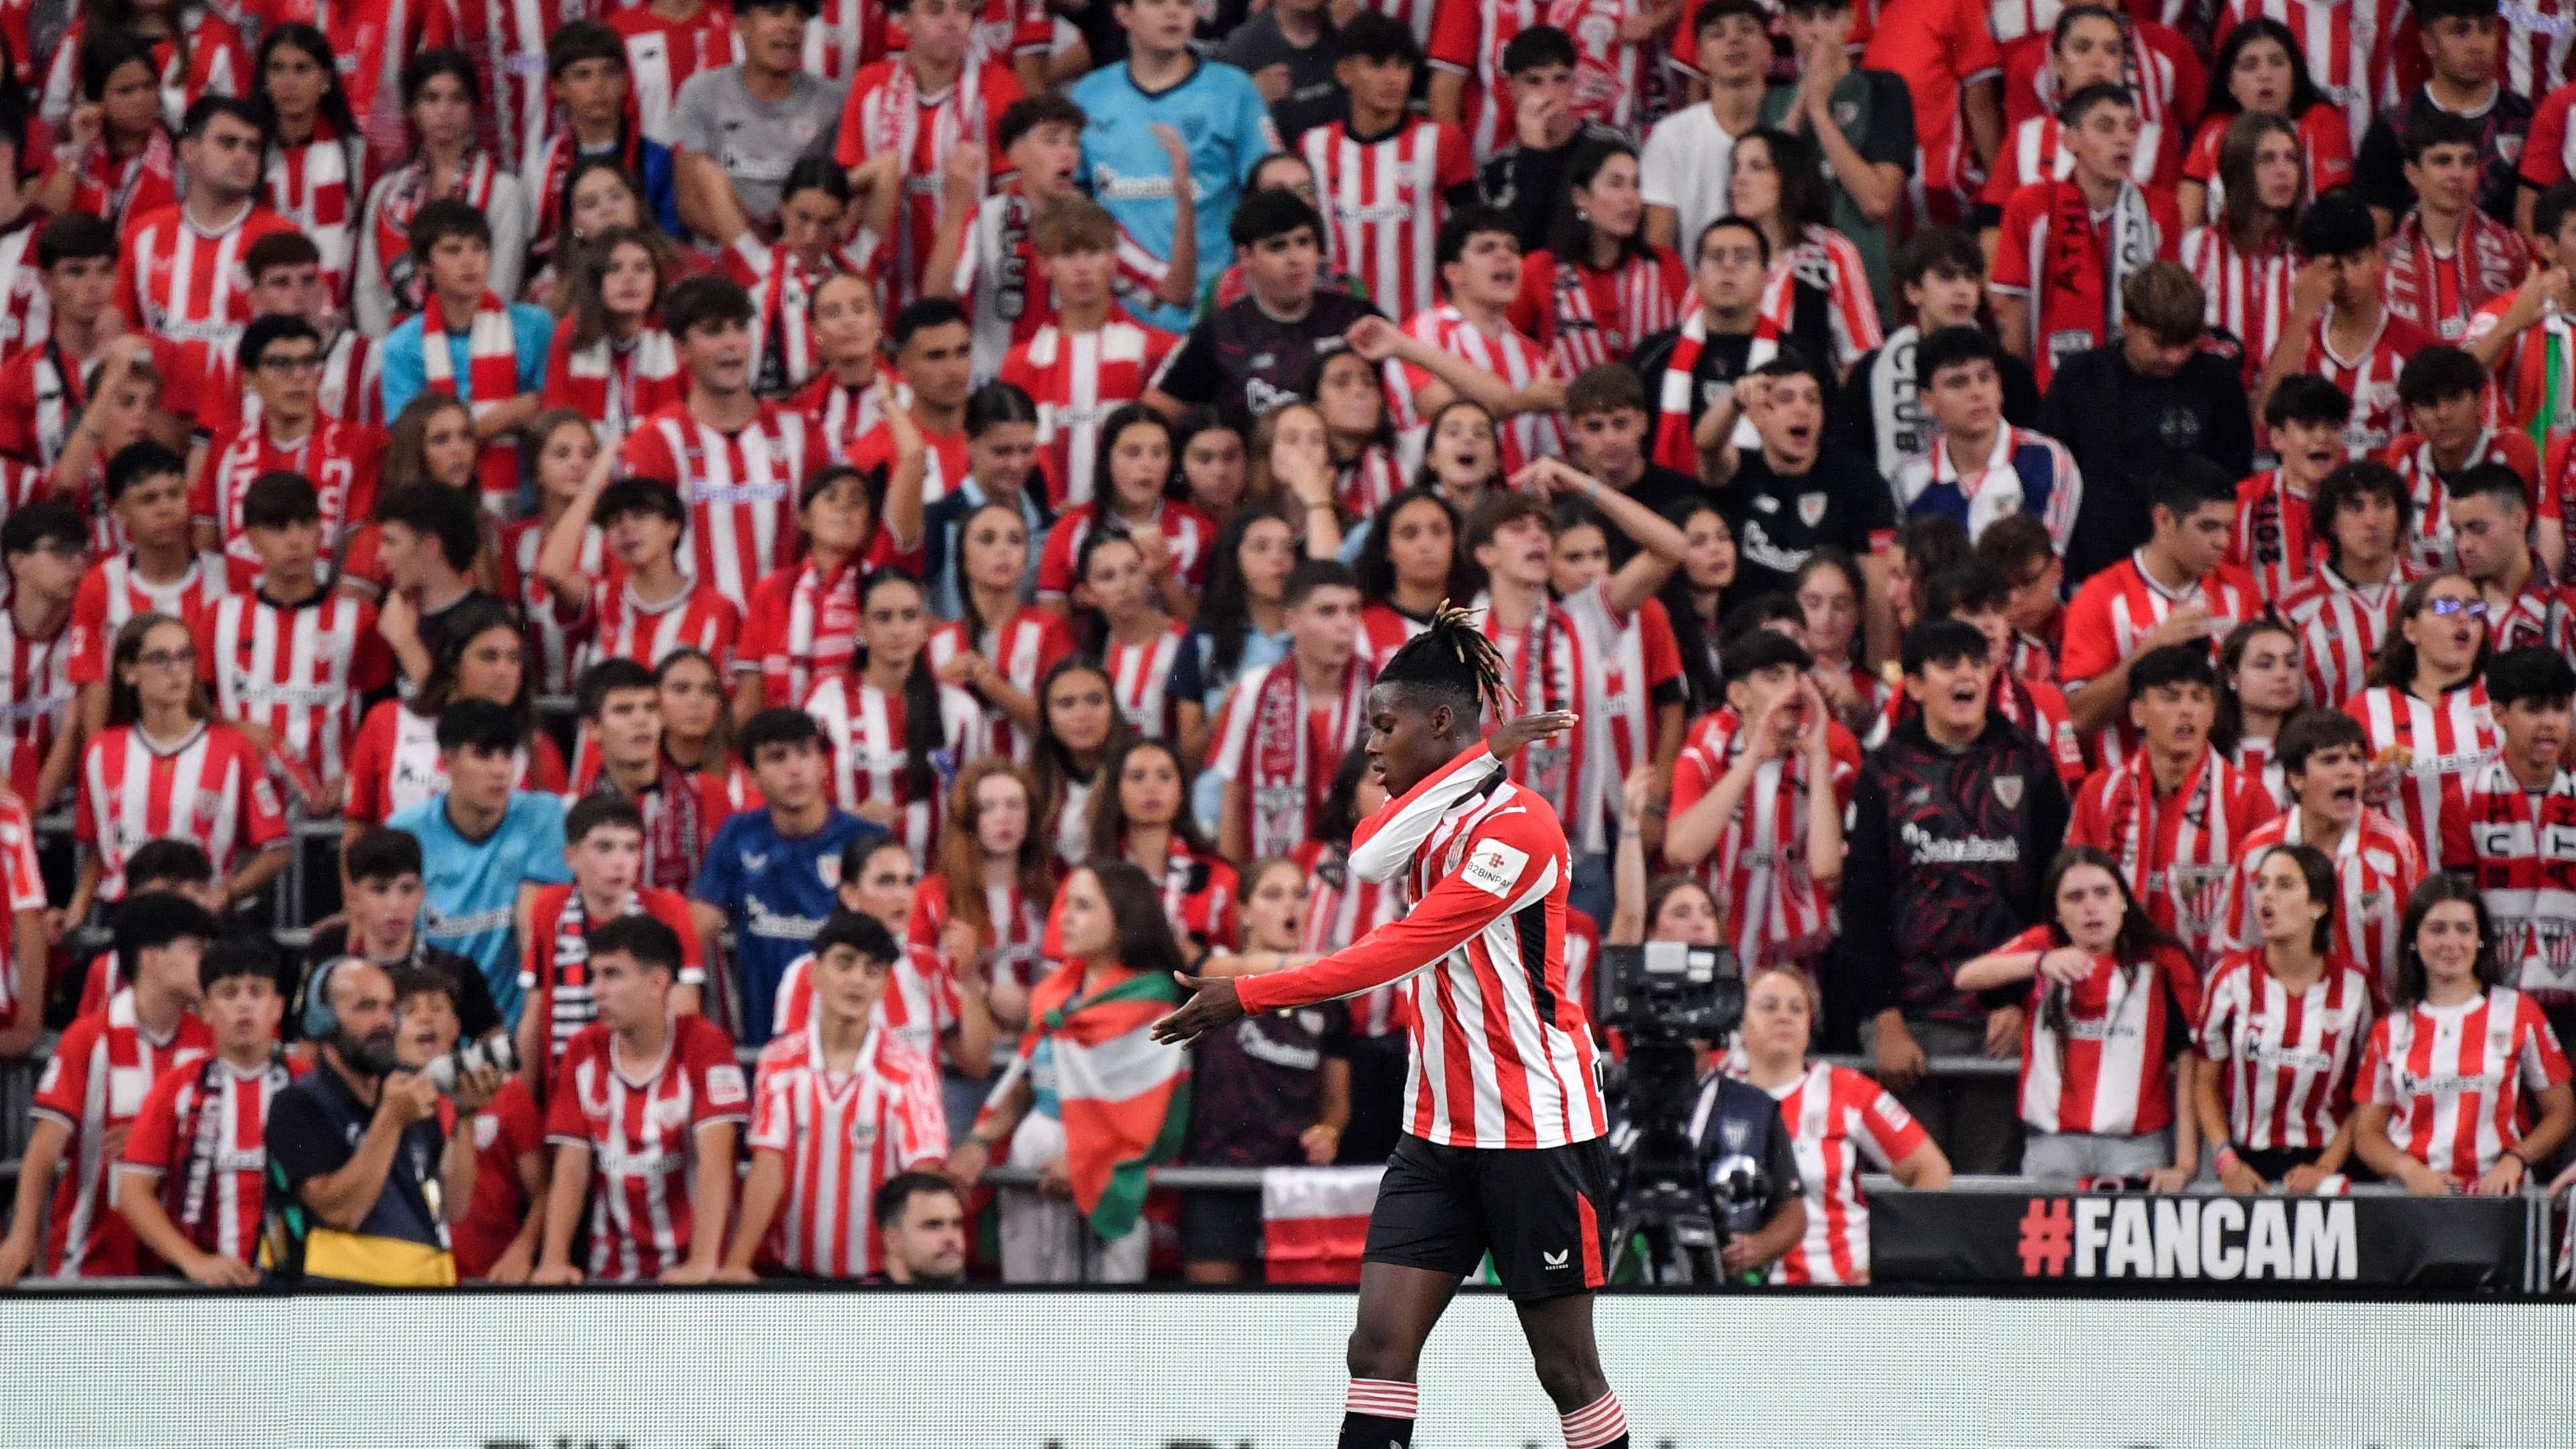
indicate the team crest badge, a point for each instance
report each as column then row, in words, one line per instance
column 208, row 804
column 1811, row 508
column 863, row 1134
column 487, row 1128
column 2008, row 790
column 829, row 868
column 668, row 1113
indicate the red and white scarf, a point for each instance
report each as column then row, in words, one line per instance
column 617, row 386
column 311, row 185
column 1674, row 444
column 567, row 983
column 2134, row 822
column 1287, row 769
column 890, row 118
column 492, row 371
column 2077, row 283
column 2490, row 257
column 104, row 186
column 675, row 834
column 1546, row 666
column 404, row 198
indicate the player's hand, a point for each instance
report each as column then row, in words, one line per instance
column 1375, row 339
column 1529, row 729
column 1897, row 1059
column 2003, row 1031
column 966, row 1165
column 555, row 1275
column 2244, row 1181
column 1213, row 1003
column 219, row 1270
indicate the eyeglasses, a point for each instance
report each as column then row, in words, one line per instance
column 2444, row 608
column 167, row 658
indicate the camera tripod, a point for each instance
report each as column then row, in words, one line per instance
column 1664, row 1233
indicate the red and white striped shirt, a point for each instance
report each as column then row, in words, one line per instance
column 26, row 313
column 2542, row 615
column 352, row 392
column 395, row 764
column 2446, row 743
column 2285, row 1062
column 2351, row 48
column 223, row 1112
column 1140, row 679
column 999, row 284
column 175, row 279
column 2110, row 1075
column 1758, row 871
column 2273, row 541
column 340, row 460
column 1014, row 937
column 1467, row 39
column 843, row 415
column 2376, row 868
column 887, row 110
column 662, row 53
column 2369, row 378
column 1341, row 907
column 22, row 888
column 2248, row 292
column 1190, row 533
column 741, row 488
column 113, row 592
column 1632, row 657
column 840, row 1136
column 2342, row 626
column 920, row 1006
column 2120, row 606
column 1077, row 379
column 2454, row 1077
column 1823, row 272
column 297, row 670
column 1585, row 316
column 1836, row 1117
column 209, row 788
column 1505, row 354
column 1021, row 649
column 36, row 676
column 1548, row 665
column 2325, row 146
column 2520, row 847
column 625, row 627
column 2036, row 151
column 2429, row 545
column 1502, row 1052
column 93, row 1086
column 2174, row 850
column 552, row 626
column 642, row 1135
column 216, row 61
column 1383, row 201
column 865, row 727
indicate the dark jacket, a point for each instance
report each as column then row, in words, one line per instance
column 2122, row 424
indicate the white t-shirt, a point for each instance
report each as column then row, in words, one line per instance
column 1688, row 165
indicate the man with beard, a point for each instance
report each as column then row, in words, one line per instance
column 363, row 1175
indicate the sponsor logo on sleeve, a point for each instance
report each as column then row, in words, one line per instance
column 725, row 1086
column 1495, row 868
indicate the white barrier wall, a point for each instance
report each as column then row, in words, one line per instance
column 1164, row 1370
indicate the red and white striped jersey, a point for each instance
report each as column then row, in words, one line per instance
column 36, row 677
column 662, row 53
column 394, row 764
column 2248, row 292
column 297, row 670
column 2520, row 847
column 919, row 1008
column 2376, row 868
column 554, row 960
column 1502, row 1051
column 2325, row 145
column 26, row 313
column 1548, row 665
column 2429, row 545
column 1021, row 649
column 22, row 888
column 552, row 626
column 2341, row 628
column 2035, row 150
column 740, row 488
column 353, row 390
column 2369, row 378
column 1017, row 934
column 1077, row 379
column 210, row 788
column 2543, row 615
column 641, row 1129
column 216, row 61
column 1341, row 907
column 1507, row 354
column 2110, row 1073
column 1823, row 272
column 2120, row 606
column 2454, row 1077
column 1758, row 871
column 2285, row 1063
column 1364, row 484
column 2174, row 850
column 1636, row 662
column 1140, row 679
column 843, row 415
column 839, row 1137
column 93, row 1086
column 2537, row 36
column 999, row 284
column 865, row 727
column 177, row 280
column 2443, row 744
column 2273, row 542
column 623, row 626
column 1467, row 39
column 200, row 1144
column 1585, row 316
column 1836, row 1118
column 887, row 110
column 1383, row 201
column 2352, row 48
column 340, row 460
column 113, row 591
column 1189, row 532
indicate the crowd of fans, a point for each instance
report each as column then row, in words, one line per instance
column 791, row 564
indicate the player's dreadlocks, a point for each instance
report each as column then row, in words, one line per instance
column 1452, row 658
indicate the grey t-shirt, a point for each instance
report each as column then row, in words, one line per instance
column 1314, row 95
column 754, row 141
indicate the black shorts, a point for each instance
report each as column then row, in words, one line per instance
column 1543, row 1212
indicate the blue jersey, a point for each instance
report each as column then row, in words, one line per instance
column 1219, row 113
column 777, row 892
column 471, row 887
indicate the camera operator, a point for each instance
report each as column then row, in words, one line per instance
column 1751, row 1170
column 365, row 1171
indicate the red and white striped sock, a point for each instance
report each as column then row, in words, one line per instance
column 1596, row 1425
column 1378, row 1414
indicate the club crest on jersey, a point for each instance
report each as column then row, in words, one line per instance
column 487, row 1128
column 2008, row 790
column 671, row 1111
column 829, row 868
column 207, row 804
column 863, row 1134
column 1811, row 508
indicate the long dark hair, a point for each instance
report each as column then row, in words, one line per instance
column 1090, row 621
column 1114, row 427
column 471, row 621
column 2134, row 948
column 334, row 106
column 2240, row 210
column 124, row 701
column 1340, row 818
column 1051, row 759
column 1375, row 566
column 1699, row 651
column 1805, row 199
column 2319, row 872
column 1423, row 477
column 118, row 17
column 1569, row 233
column 1225, row 607
column 1313, row 392
column 1108, row 832
column 1144, row 934
column 427, row 66
column 2229, row 727
column 2303, row 87
column 2412, row 980
column 2396, row 666
column 967, row 614
column 923, row 732
column 588, row 267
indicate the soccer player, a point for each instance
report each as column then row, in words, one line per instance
column 178, row 271
column 650, row 605
column 2447, row 259
column 2340, row 327
column 1081, row 366
column 2172, row 591
column 1488, row 869
column 2343, row 610
column 2274, row 542
column 487, row 350
column 938, row 95
column 2513, row 830
column 2174, row 812
column 2057, row 290
column 282, row 359
column 45, row 548
column 769, row 873
column 1389, row 177
column 840, row 1109
column 604, row 847
column 1286, row 727
column 2325, row 759
column 1757, row 806
column 642, row 1113
column 1975, row 466
column 735, row 460
column 2491, row 527
column 101, row 1070
column 2444, row 392
column 191, row 1173
column 287, row 659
